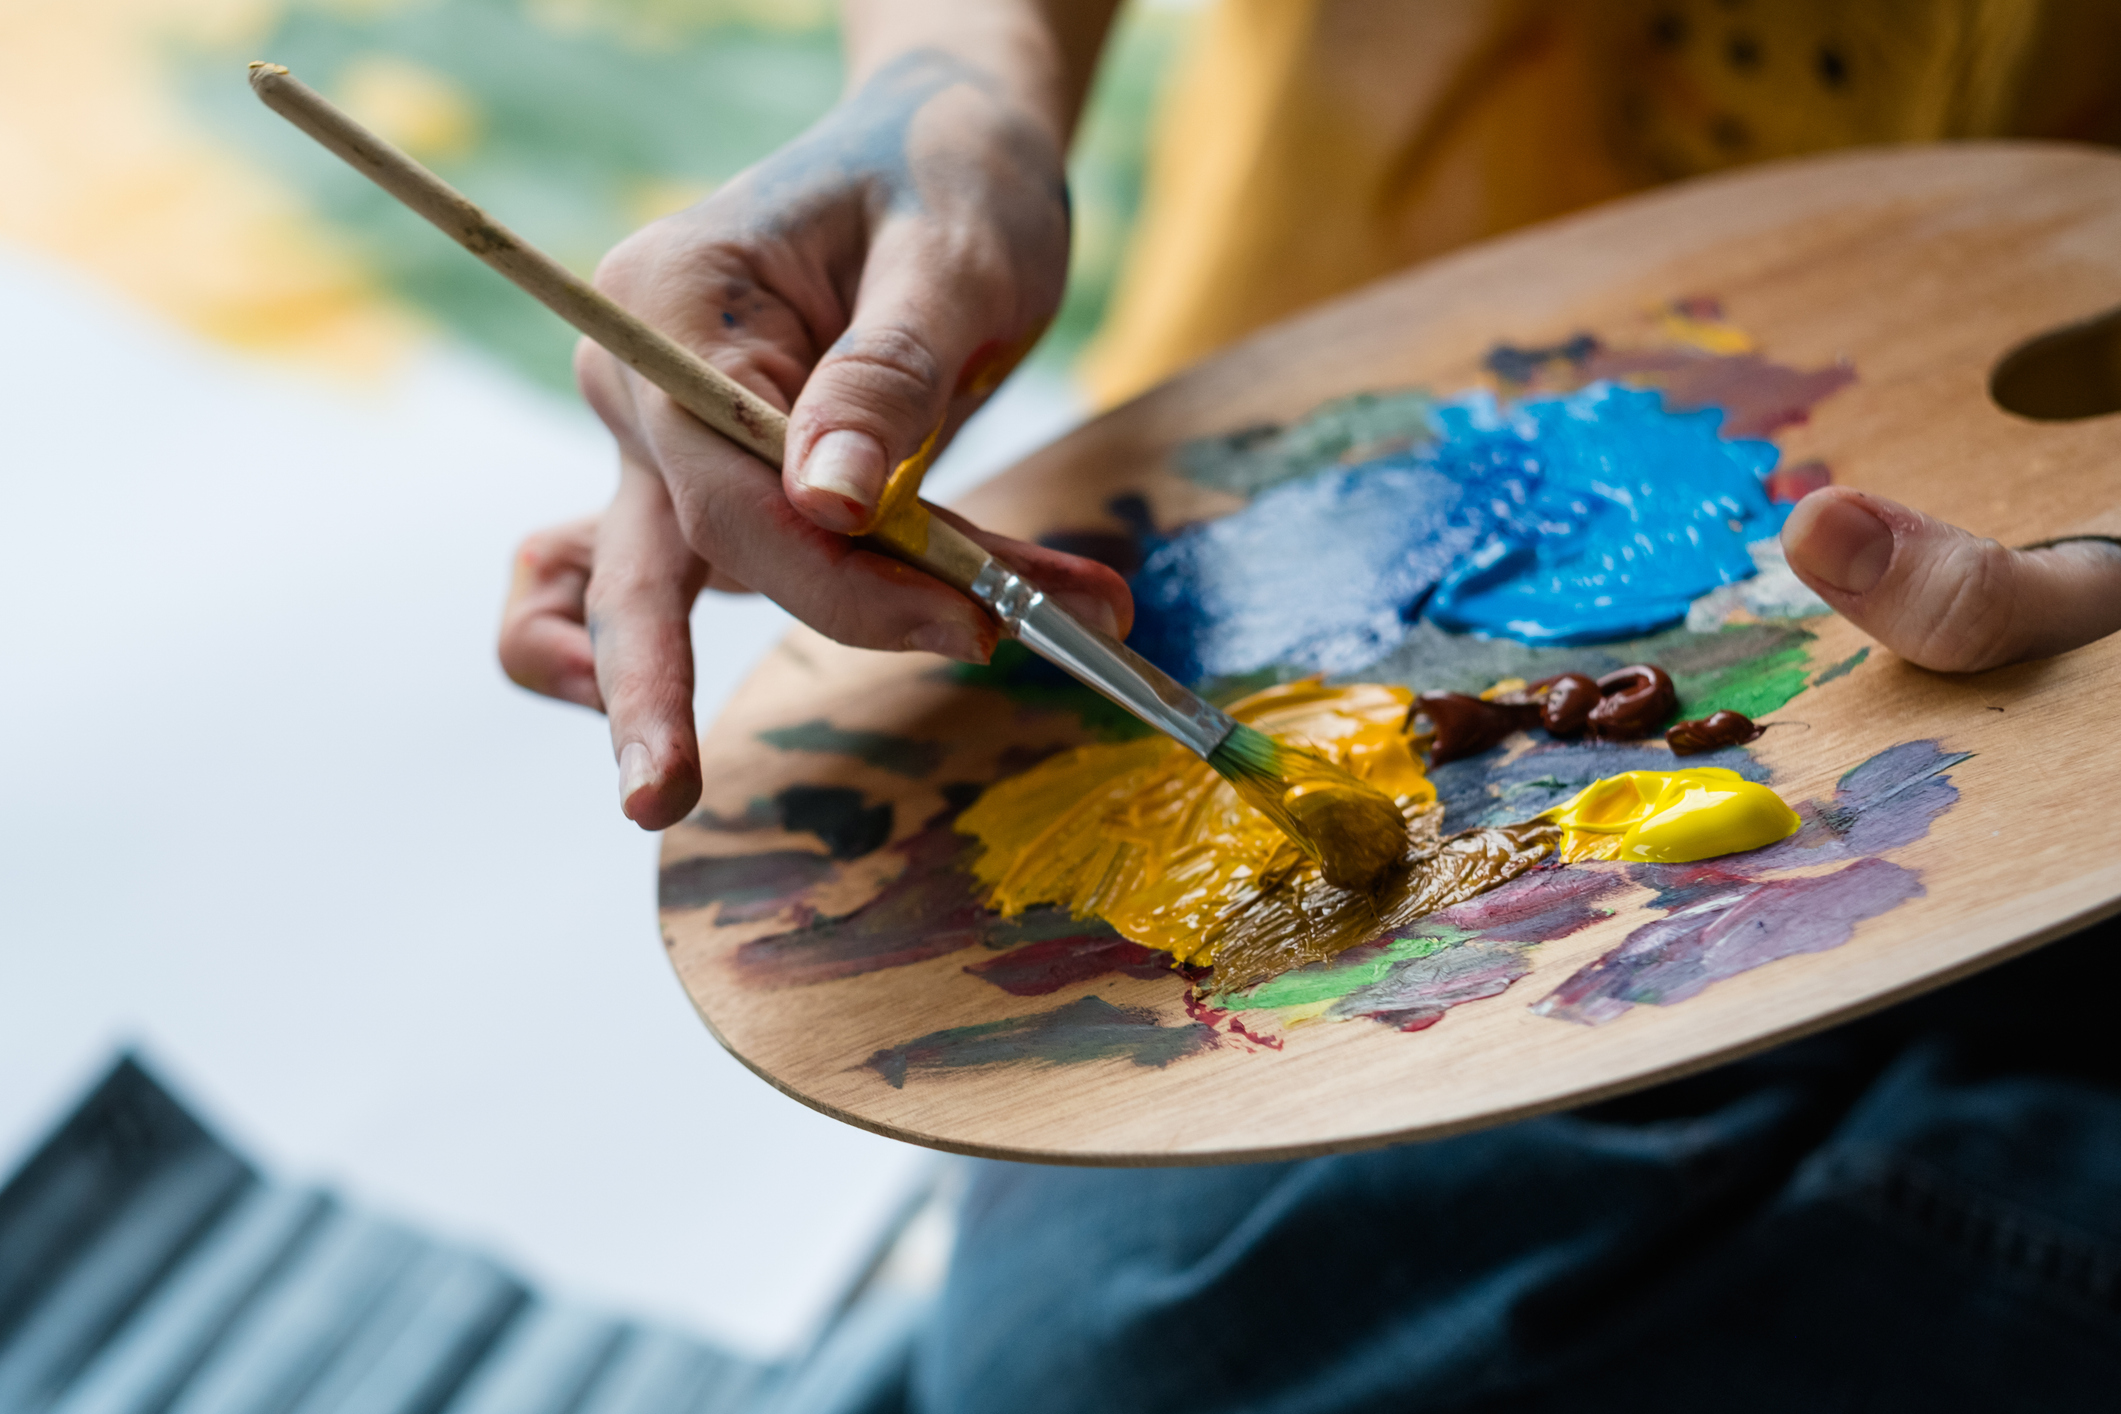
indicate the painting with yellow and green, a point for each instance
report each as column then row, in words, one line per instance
column 131, row 148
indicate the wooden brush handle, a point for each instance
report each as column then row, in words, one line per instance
column 905, row 530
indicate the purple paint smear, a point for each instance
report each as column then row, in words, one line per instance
column 1035, row 969
column 931, row 909
column 1756, row 922
column 1726, row 919
column 1548, row 903
column 1538, row 907
column 1418, row 992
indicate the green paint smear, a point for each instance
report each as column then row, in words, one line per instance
column 1330, row 981
column 1346, row 430
column 1754, row 689
column 901, row 755
column 1025, row 678
column 1843, row 668
column 1749, row 668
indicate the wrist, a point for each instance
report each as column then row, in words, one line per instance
column 1037, row 54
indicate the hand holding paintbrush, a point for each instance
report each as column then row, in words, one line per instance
column 1353, row 830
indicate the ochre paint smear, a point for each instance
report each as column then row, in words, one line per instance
column 1145, row 836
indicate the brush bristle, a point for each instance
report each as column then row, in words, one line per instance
column 1246, row 754
column 1351, row 828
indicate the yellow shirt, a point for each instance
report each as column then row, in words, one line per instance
column 1312, row 145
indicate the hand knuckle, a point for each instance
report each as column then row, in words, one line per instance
column 887, row 366
column 1968, row 623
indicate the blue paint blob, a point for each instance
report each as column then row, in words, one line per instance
column 1636, row 513
column 1323, row 573
column 1556, row 521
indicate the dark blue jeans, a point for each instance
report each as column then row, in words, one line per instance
column 1918, row 1211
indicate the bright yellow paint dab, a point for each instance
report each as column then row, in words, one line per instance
column 1671, row 817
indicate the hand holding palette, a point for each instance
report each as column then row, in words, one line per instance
column 1458, row 534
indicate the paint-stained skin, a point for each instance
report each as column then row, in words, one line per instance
column 1086, row 1029
column 867, row 136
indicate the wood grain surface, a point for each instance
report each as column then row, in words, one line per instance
column 1923, row 267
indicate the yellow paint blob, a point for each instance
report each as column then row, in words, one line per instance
column 1143, row 835
column 1671, row 817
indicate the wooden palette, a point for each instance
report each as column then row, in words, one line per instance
column 1922, row 268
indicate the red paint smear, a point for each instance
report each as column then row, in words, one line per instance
column 1758, row 396
column 1213, row 1017
column 1790, row 484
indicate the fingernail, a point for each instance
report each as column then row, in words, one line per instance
column 950, row 639
column 1092, row 612
column 636, row 772
column 1848, row 546
column 848, row 465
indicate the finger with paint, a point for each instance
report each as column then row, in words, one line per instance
column 544, row 642
column 597, row 612
column 1945, row 599
column 876, row 279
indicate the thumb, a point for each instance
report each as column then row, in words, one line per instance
column 1942, row 598
column 886, row 385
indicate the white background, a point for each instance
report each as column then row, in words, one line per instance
column 270, row 813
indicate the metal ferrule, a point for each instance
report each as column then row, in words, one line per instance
column 1106, row 664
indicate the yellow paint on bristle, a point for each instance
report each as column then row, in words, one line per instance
column 1144, row 835
column 1671, row 817
column 1351, row 828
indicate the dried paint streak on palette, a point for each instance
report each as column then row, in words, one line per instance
column 1496, row 510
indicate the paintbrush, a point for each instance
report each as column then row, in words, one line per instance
column 1353, row 830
